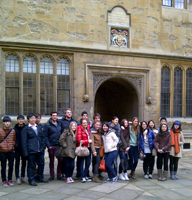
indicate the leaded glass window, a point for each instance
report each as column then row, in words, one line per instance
column 177, row 97
column 46, row 86
column 167, row 2
column 179, row 4
column 189, row 4
column 189, row 93
column 63, row 85
column 12, row 85
column 29, row 85
column 165, row 92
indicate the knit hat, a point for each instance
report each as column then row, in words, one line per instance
column 20, row 117
column 177, row 123
column 6, row 119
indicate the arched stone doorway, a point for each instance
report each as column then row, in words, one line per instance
column 116, row 97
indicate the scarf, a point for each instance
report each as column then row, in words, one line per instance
column 175, row 139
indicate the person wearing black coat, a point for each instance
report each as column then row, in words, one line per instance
column 33, row 145
column 18, row 151
column 52, row 130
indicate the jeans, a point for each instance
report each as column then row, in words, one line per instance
column 96, row 162
column 109, row 158
column 68, row 166
column 122, row 156
column 148, row 163
column 173, row 163
column 87, row 159
column 162, row 158
column 39, row 159
column 51, row 163
column 18, row 156
column 4, row 157
column 133, row 157
column 115, row 160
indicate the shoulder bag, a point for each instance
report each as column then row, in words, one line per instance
column 102, row 166
column 81, row 151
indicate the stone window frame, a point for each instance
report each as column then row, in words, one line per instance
column 184, row 68
column 172, row 2
column 55, row 57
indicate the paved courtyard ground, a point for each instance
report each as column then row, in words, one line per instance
column 140, row 188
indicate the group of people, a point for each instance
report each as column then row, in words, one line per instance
column 129, row 141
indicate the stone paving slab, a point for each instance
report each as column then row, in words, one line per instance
column 66, row 190
column 34, row 191
column 91, row 194
column 3, row 193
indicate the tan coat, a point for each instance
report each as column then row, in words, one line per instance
column 8, row 144
column 93, row 136
column 181, row 142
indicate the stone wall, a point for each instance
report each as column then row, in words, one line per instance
column 83, row 23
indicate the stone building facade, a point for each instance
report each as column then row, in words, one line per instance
column 104, row 56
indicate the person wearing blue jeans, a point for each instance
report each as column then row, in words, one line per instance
column 133, row 156
column 109, row 158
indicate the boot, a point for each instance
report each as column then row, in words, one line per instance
column 172, row 175
column 121, row 177
column 165, row 174
column 175, row 173
column 95, row 178
column 159, row 175
column 130, row 175
column 126, row 177
column 133, row 175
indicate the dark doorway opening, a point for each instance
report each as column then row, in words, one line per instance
column 116, row 97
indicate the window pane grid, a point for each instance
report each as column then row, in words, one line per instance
column 29, row 85
column 177, row 99
column 167, row 3
column 189, row 93
column 165, row 92
column 189, row 4
column 46, row 86
column 63, row 100
column 179, row 4
column 12, row 100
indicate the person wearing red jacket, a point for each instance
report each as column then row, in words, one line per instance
column 83, row 136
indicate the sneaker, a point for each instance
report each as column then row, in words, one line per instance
column 18, row 181
column 108, row 180
column 150, row 176
column 126, row 177
column 68, row 180
column 5, row 184
column 83, row 180
column 10, row 183
column 146, row 176
column 72, row 181
column 121, row 177
column 114, row 180
column 61, row 178
column 87, row 179
column 50, row 178
column 22, row 180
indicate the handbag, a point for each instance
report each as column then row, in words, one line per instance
column 141, row 154
column 81, row 151
column 154, row 152
column 101, row 148
column 102, row 166
column 57, row 152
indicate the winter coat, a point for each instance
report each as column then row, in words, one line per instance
column 8, row 144
column 125, row 136
column 68, row 144
column 18, row 130
column 110, row 141
column 151, row 138
column 82, row 135
column 52, row 133
column 95, row 136
column 65, row 123
column 117, row 130
column 181, row 142
column 163, row 140
column 31, row 142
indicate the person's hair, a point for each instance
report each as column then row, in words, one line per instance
column 67, row 110
column 149, row 123
column 30, row 115
column 37, row 115
column 54, row 113
column 160, row 128
column 104, row 123
column 141, row 128
column 96, row 115
column 123, row 122
column 115, row 117
column 71, row 126
column 172, row 128
column 83, row 113
column 163, row 118
column 135, row 128
column 81, row 121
